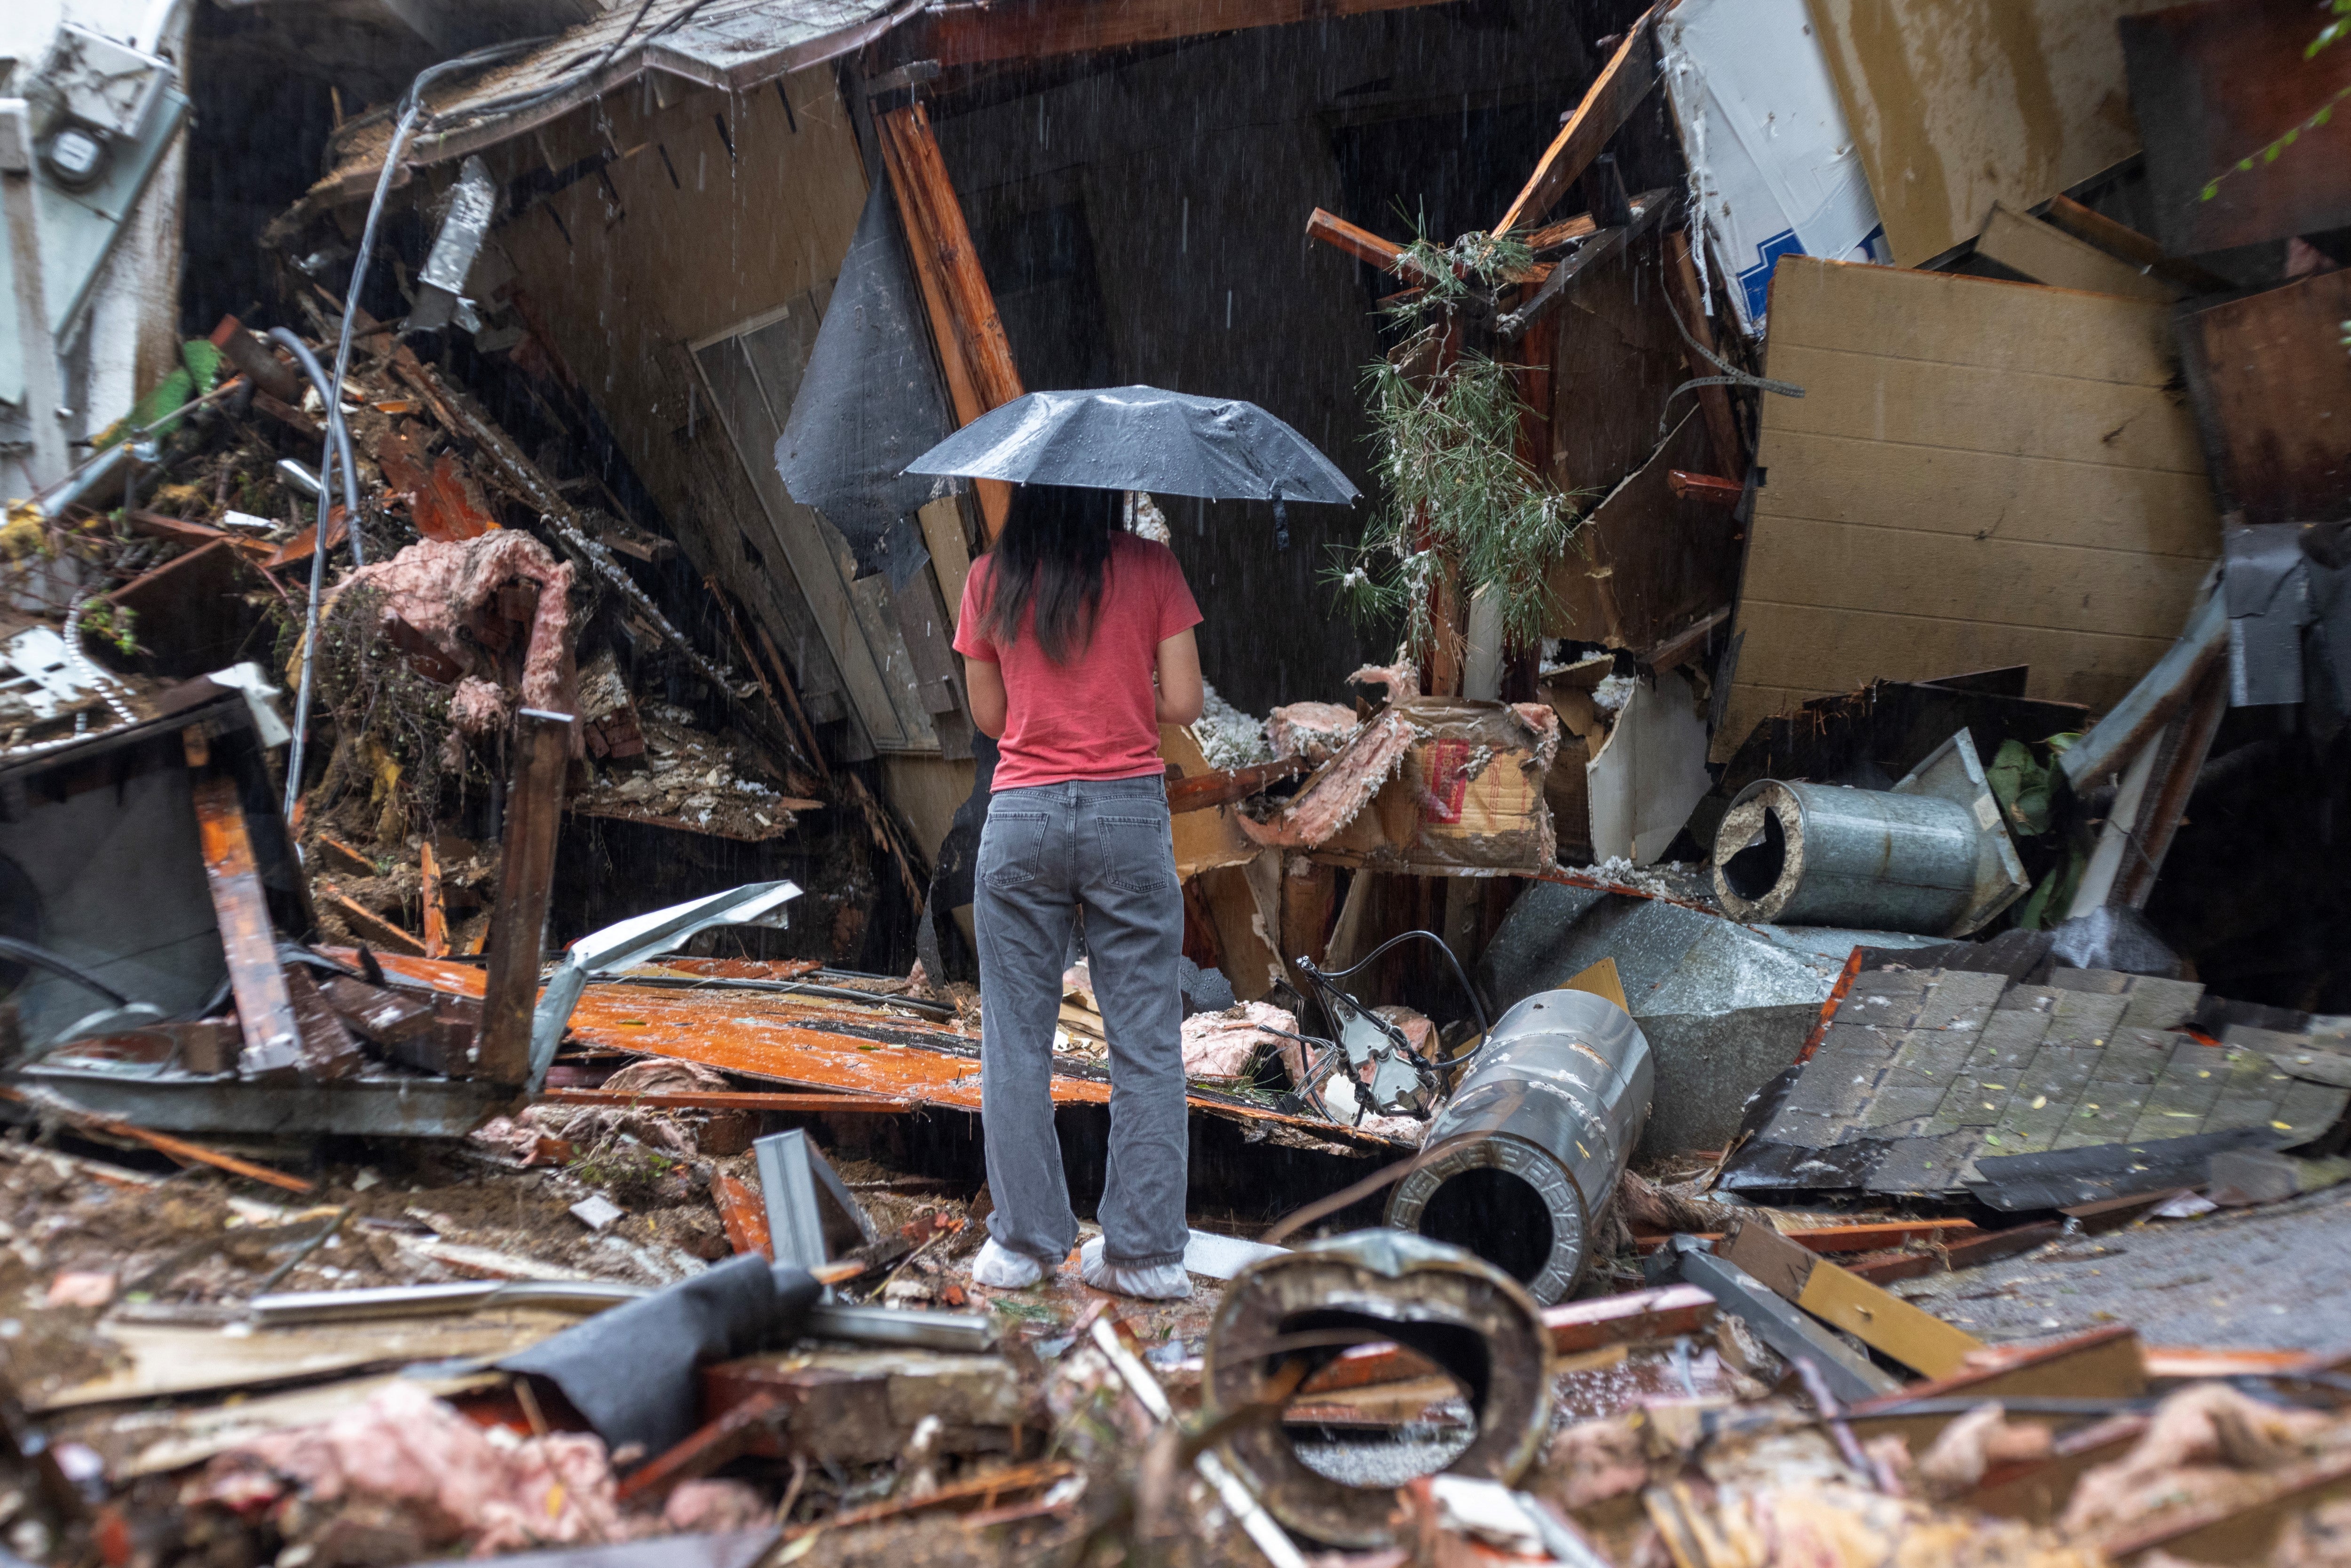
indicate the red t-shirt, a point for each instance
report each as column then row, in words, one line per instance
column 1095, row 716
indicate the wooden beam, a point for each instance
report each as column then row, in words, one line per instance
column 1361, row 244
column 1223, row 788
column 542, row 749
column 265, row 1012
column 1031, row 30
column 436, row 909
column 179, row 1149
column 732, row 1100
column 1618, row 90
column 973, row 350
column 1714, row 403
column 367, row 925
column 2128, row 243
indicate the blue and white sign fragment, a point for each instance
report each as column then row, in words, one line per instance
column 1772, row 168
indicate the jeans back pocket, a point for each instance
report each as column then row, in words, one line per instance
column 1012, row 847
column 1136, row 854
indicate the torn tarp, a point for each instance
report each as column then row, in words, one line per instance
column 629, row 1371
column 869, row 403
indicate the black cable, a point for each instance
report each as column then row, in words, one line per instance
column 42, row 958
column 1477, row 1003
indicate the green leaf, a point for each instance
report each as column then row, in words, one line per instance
column 2212, row 189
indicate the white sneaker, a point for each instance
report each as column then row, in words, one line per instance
column 1001, row 1269
column 1164, row 1282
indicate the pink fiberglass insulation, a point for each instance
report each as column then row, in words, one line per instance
column 1314, row 731
column 1220, row 1045
column 1344, row 786
column 442, row 590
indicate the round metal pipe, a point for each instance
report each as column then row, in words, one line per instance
column 1469, row 1318
column 1821, row 854
column 1521, row 1158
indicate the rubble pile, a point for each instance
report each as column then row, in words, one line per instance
column 1790, row 1011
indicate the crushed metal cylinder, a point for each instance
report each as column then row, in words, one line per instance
column 1521, row 1158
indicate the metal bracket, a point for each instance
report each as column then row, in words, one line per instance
column 633, row 941
column 809, row 1209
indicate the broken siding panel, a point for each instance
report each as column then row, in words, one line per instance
column 1958, row 104
column 777, row 352
column 1980, row 474
column 1959, row 491
column 799, row 536
column 676, row 223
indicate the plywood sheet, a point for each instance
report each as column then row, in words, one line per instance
column 2272, row 389
column 1979, row 474
column 1958, row 104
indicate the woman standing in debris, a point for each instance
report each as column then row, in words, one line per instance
column 1077, row 644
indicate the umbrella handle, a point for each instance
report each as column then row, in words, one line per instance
column 1280, row 522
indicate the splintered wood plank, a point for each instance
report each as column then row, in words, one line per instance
column 1607, row 104
column 964, row 321
column 1917, row 1339
column 436, row 912
column 366, row 925
column 2046, row 253
column 327, row 1050
column 542, row 745
column 265, row 1012
column 1979, row 474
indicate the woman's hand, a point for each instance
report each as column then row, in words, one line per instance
column 1179, row 698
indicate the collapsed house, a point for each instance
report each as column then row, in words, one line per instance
column 470, row 752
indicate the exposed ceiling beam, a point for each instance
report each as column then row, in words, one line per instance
column 984, row 34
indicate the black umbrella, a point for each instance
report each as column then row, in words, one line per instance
column 1141, row 438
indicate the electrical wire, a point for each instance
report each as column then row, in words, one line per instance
column 42, row 958
column 1477, row 1003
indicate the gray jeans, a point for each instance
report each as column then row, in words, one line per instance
column 1046, row 852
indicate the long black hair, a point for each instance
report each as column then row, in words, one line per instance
column 1050, row 555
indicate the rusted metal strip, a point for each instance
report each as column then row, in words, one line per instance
column 525, row 875
column 265, row 1010
column 983, row 1490
column 720, row 1099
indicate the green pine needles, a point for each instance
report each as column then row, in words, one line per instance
column 1457, row 493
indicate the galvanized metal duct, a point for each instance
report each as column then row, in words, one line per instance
column 1446, row 1305
column 1533, row 1142
column 1931, row 854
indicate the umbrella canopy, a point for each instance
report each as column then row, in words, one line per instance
column 1141, row 438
